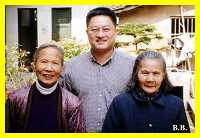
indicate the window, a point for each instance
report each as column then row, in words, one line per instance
column 177, row 25
column 61, row 23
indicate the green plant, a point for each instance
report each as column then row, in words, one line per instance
column 73, row 48
column 17, row 74
column 142, row 33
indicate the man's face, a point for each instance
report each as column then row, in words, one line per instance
column 101, row 33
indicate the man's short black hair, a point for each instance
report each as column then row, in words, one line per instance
column 101, row 11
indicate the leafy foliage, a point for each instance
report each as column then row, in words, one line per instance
column 72, row 48
column 16, row 70
column 142, row 33
column 18, row 75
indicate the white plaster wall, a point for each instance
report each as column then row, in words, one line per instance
column 164, row 26
column 44, row 24
column 182, row 79
column 189, row 13
column 79, row 22
column 11, row 26
column 156, row 15
column 11, row 35
column 79, row 13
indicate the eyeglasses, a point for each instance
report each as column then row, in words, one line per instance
column 95, row 30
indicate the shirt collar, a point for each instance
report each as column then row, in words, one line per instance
column 46, row 91
column 109, row 60
column 157, row 99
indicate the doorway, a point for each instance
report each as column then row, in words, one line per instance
column 27, row 32
column 177, row 91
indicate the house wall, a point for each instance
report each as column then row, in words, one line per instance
column 79, row 22
column 44, row 23
column 183, row 79
column 11, row 26
column 11, row 34
column 44, row 26
column 78, row 25
column 158, row 15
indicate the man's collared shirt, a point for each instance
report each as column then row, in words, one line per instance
column 97, row 85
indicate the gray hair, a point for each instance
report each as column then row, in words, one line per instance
column 43, row 46
column 166, row 86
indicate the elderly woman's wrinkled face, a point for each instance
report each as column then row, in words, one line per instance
column 48, row 66
column 150, row 75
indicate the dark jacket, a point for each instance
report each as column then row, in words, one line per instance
column 70, row 117
column 132, row 112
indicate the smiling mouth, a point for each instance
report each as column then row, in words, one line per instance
column 48, row 77
column 149, row 86
column 101, row 41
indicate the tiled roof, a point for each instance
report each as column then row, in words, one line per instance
column 122, row 8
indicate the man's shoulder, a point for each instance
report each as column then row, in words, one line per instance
column 124, row 59
column 124, row 56
column 79, row 58
column 124, row 97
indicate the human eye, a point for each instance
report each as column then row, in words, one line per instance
column 145, row 72
column 55, row 63
column 94, row 30
column 156, row 73
column 43, row 61
column 106, row 29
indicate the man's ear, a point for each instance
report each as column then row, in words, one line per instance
column 86, row 31
column 117, row 29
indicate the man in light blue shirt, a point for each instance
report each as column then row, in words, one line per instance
column 101, row 74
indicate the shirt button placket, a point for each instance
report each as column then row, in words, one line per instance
column 98, row 109
column 101, row 81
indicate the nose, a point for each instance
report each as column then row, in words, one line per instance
column 49, row 67
column 150, row 77
column 100, row 33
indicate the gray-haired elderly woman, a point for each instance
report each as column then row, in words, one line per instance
column 45, row 106
column 147, row 106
